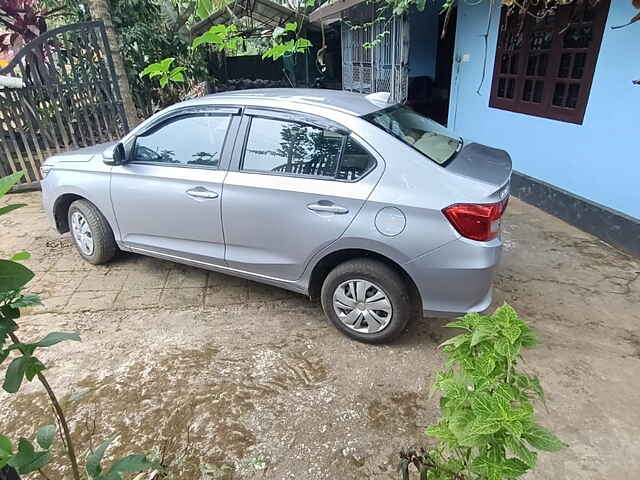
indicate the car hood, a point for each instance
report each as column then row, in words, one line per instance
column 479, row 162
column 80, row 155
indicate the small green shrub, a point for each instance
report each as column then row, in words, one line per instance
column 488, row 429
column 23, row 456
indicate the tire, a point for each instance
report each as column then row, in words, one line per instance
column 383, row 280
column 104, row 246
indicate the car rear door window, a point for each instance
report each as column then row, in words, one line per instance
column 356, row 161
column 285, row 147
column 192, row 141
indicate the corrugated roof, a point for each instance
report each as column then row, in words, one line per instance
column 264, row 14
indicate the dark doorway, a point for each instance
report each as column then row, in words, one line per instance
column 429, row 90
column 444, row 68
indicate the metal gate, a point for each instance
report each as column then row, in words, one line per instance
column 66, row 97
column 381, row 68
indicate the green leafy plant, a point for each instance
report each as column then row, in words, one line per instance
column 222, row 37
column 25, row 457
column 165, row 72
column 128, row 464
column 286, row 41
column 488, row 429
column 204, row 8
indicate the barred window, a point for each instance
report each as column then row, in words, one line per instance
column 544, row 66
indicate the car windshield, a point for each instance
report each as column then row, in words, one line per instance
column 425, row 135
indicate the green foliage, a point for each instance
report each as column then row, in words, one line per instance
column 488, row 429
column 54, row 338
column 9, row 208
column 24, row 366
column 286, row 41
column 13, row 276
column 26, row 458
column 27, row 365
column 129, row 464
column 149, row 30
column 206, row 7
column 379, row 38
column 7, row 183
column 45, row 436
column 221, row 37
column 237, row 36
column 165, row 72
column 152, row 30
column 290, row 47
column 21, row 256
column 6, row 450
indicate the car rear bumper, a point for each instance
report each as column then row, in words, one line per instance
column 456, row 278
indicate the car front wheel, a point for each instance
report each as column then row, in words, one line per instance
column 368, row 300
column 91, row 233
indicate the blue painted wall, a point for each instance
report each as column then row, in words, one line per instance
column 599, row 160
column 423, row 41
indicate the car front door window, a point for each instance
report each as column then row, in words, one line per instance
column 191, row 141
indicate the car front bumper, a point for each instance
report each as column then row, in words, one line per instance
column 456, row 278
column 47, row 202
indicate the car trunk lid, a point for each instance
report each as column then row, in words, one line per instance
column 479, row 162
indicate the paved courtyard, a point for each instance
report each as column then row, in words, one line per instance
column 227, row 378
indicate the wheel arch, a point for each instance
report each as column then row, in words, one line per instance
column 327, row 263
column 61, row 210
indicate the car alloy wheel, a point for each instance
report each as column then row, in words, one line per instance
column 362, row 306
column 82, row 233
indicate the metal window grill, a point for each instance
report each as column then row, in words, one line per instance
column 381, row 68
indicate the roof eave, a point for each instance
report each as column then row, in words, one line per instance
column 331, row 12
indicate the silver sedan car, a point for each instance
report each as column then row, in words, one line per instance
column 379, row 212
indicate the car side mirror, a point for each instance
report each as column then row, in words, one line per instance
column 114, row 155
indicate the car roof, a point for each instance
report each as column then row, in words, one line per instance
column 346, row 102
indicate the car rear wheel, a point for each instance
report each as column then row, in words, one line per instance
column 91, row 233
column 368, row 300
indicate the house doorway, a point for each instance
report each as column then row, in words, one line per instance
column 431, row 63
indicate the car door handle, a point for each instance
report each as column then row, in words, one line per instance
column 201, row 192
column 318, row 207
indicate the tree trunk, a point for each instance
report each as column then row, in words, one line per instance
column 100, row 10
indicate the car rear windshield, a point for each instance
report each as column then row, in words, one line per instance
column 425, row 135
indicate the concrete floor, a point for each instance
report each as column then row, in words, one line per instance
column 232, row 379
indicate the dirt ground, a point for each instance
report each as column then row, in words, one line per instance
column 227, row 378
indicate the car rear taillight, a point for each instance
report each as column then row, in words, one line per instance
column 477, row 221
